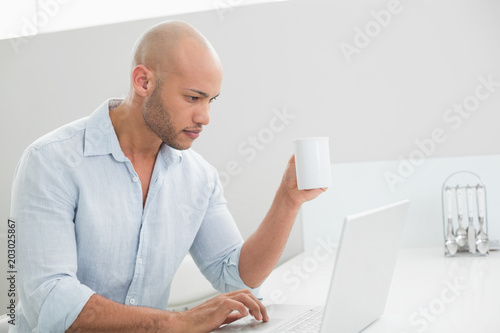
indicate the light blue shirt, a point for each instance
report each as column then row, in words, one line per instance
column 82, row 228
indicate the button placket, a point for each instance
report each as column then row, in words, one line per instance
column 139, row 271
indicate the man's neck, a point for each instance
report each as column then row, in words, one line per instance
column 136, row 140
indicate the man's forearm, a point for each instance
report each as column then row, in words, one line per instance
column 103, row 315
column 260, row 253
column 262, row 250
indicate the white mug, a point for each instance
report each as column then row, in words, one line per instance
column 312, row 163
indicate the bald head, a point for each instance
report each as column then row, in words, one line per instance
column 175, row 77
column 162, row 47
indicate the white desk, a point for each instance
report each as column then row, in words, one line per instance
column 429, row 292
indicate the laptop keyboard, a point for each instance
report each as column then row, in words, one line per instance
column 309, row 322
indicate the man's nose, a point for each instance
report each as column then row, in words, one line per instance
column 201, row 115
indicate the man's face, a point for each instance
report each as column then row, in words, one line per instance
column 178, row 108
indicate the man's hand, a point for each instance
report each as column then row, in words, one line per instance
column 222, row 309
column 103, row 315
column 289, row 185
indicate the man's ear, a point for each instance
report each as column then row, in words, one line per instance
column 143, row 80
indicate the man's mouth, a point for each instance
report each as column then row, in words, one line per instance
column 193, row 134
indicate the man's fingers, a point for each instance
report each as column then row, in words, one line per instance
column 252, row 303
column 224, row 309
column 262, row 308
column 233, row 304
column 232, row 317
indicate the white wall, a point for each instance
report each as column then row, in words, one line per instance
column 361, row 186
column 282, row 58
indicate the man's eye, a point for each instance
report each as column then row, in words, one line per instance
column 192, row 98
column 213, row 99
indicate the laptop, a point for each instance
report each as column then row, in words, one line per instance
column 359, row 285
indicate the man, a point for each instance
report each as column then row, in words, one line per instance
column 107, row 206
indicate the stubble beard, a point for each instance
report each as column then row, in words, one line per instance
column 158, row 119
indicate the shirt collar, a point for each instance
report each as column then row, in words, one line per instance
column 101, row 139
column 170, row 155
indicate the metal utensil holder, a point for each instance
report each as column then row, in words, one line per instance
column 465, row 222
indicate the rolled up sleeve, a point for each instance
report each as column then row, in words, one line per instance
column 43, row 209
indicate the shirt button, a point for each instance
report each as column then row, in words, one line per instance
column 135, row 179
column 132, row 301
column 139, row 261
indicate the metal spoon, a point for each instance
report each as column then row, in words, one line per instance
column 450, row 241
column 461, row 232
column 482, row 241
column 471, row 231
